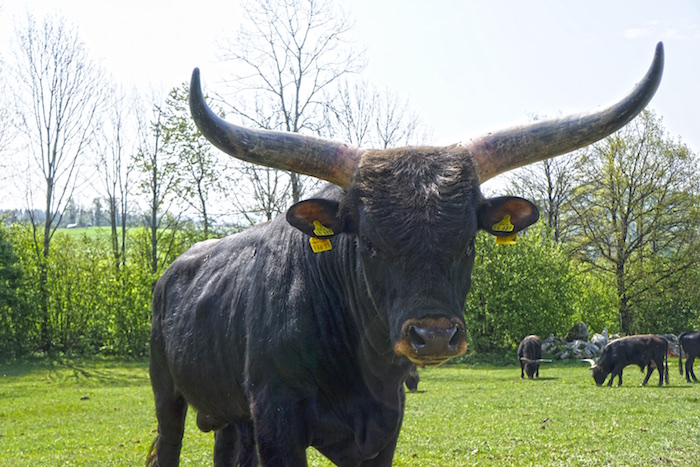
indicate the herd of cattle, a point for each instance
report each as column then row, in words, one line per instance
column 303, row 330
column 647, row 351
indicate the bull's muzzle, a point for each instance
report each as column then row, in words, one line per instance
column 431, row 341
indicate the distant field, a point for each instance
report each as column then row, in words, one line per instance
column 100, row 413
column 90, row 231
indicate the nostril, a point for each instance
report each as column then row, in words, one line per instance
column 415, row 338
column 455, row 339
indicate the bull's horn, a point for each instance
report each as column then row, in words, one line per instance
column 499, row 152
column 328, row 160
column 526, row 360
column 543, row 360
column 591, row 361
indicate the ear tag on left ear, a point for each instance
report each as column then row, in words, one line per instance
column 319, row 245
column 321, row 230
column 509, row 240
column 504, row 225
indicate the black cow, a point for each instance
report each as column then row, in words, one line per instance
column 689, row 342
column 530, row 356
column 644, row 350
column 301, row 331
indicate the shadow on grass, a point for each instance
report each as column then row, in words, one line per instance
column 97, row 370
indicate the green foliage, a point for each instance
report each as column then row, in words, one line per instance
column 521, row 289
column 101, row 413
column 595, row 302
column 10, row 303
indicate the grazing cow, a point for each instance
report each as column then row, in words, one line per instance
column 301, row 331
column 530, row 356
column 689, row 342
column 645, row 350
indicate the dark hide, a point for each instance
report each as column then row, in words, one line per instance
column 282, row 348
column 689, row 342
column 644, row 350
column 529, row 355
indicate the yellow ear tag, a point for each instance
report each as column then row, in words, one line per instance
column 319, row 245
column 509, row 240
column 504, row 225
column 323, row 231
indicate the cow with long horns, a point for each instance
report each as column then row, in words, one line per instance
column 301, row 331
column 648, row 350
column 530, row 356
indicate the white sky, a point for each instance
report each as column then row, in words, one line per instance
column 466, row 66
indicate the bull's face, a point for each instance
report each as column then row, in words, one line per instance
column 599, row 375
column 414, row 214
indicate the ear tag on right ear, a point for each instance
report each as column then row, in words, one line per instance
column 504, row 225
column 321, row 230
column 319, row 245
column 509, row 240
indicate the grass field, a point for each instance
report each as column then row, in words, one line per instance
column 100, row 413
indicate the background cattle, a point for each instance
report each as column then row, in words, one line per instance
column 301, row 331
column 644, row 350
column 530, row 356
column 689, row 342
column 412, row 379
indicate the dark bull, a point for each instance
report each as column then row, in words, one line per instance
column 301, row 331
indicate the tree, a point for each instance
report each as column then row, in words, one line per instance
column 59, row 93
column 290, row 53
column 114, row 164
column 199, row 173
column 550, row 184
column 366, row 117
column 159, row 173
column 637, row 211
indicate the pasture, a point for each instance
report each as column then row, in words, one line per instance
column 100, row 413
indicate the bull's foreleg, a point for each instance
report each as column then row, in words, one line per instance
column 279, row 430
column 617, row 371
column 522, row 369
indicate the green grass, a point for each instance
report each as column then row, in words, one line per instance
column 100, row 413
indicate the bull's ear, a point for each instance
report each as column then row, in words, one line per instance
column 506, row 215
column 316, row 218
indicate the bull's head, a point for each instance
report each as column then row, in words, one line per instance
column 415, row 211
column 599, row 373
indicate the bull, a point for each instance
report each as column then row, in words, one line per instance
column 647, row 350
column 412, row 379
column 301, row 331
column 530, row 356
column 689, row 342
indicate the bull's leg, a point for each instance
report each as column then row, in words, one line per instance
column 617, row 371
column 171, row 409
column 537, row 371
column 689, row 366
column 279, row 430
column 650, row 370
column 234, row 446
column 522, row 370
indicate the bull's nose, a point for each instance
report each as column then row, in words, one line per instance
column 433, row 341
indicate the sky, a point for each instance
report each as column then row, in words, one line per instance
column 466, row 67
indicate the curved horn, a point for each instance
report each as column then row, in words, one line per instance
column 591, row 361
column 328, row 160
column 505, row 150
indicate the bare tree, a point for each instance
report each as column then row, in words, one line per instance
column 363, row 116
column 290, row 52
column 58, row 94
column 114, row 146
